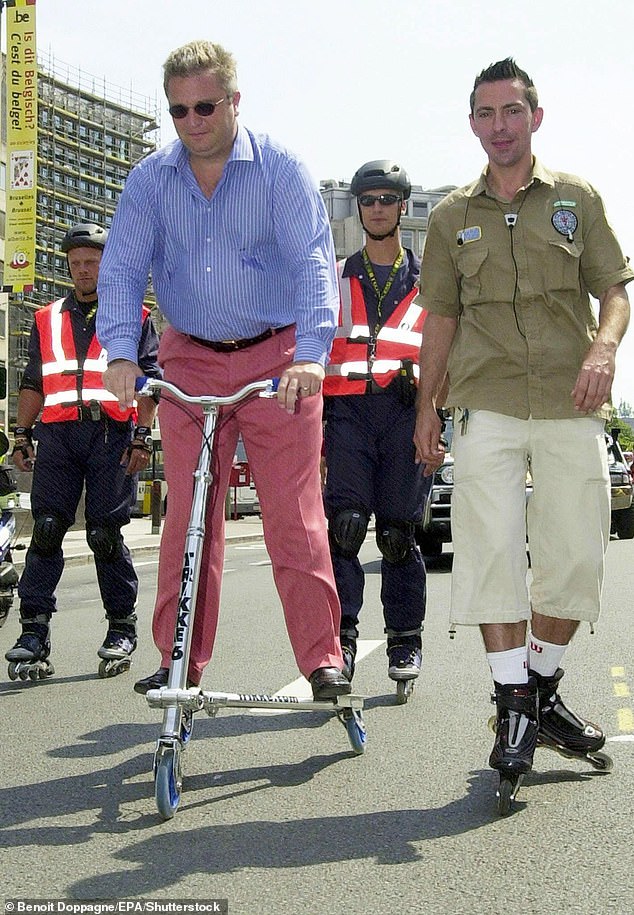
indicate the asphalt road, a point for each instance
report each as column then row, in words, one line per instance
column 277, row 815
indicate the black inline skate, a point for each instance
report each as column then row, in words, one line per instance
column 405, row 658
column 348, row 638
column 563, row 731
column 516, row 727
column 118, row 645
column 28, row 659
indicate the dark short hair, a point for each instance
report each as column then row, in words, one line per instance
column 506, row 69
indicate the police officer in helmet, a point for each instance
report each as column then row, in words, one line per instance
column 370, row 388
column 84, row 441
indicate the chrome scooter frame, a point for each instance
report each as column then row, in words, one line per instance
column 177, row 701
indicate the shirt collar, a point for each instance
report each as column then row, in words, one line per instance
column 70, row 303
column 177, row 157
column 354, row 264
column 539, row 173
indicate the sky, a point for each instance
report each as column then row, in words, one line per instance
column 341, row 82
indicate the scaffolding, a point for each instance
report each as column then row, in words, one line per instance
column 90, row 135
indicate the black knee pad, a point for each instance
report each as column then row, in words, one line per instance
column 347, row 530
column 48, row 534
column 395, row 540
column 105, row 542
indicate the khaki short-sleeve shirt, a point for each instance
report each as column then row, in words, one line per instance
column 521, row 294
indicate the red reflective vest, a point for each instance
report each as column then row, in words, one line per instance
column 349, row 370
column 66, row 384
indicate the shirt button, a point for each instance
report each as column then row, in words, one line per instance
column 208, row 269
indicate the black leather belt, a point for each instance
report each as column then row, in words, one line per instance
column 229, row 346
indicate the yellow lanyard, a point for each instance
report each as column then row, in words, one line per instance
column 381, row 293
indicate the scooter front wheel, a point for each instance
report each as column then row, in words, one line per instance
column 167, row 780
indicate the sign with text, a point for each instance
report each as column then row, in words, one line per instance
column 21, row 190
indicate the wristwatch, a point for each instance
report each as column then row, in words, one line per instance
column 144, row 434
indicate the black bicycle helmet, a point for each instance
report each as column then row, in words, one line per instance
column 379, row 174
column 84, row 235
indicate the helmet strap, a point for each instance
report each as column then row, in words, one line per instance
column 389, row 234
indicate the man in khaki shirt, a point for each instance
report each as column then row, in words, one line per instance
column 507, row 271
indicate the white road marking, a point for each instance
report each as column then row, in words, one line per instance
column 302, row 688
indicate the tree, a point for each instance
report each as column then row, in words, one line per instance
column 626, row 433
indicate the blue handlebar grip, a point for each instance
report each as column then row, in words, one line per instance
column 275, row 383
column 140, row 382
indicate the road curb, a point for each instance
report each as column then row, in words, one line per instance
column 135, row 550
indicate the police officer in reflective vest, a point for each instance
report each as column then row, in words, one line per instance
column 83, row 439
column 370, row 389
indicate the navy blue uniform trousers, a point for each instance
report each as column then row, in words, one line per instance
column 69, row 456
column 370, row 465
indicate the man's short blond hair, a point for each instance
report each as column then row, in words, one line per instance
column 198, row 56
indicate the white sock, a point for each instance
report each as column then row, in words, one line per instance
column 509, row 666
column 544, row 657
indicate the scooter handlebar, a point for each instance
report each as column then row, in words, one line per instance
column 265, row 388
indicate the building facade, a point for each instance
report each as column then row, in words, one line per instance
column 90, row 135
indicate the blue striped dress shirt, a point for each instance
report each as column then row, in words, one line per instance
column 258, row 254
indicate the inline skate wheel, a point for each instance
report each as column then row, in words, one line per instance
column 13, row 673
column 111, row 668
column 404, row 689
column 506, row 794
column 600, row 761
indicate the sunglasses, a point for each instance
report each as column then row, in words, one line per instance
column 203, row 109
column 385, row 200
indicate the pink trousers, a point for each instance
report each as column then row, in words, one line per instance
column 283, row 452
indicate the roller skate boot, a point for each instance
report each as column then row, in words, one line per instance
column 348, row 638
column 119, row 643
column 516, row 726
column 561, row 730
column 28, row 659
column 405, row 658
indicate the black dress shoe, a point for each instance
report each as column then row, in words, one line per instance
column 328, row 683
column 154, row 681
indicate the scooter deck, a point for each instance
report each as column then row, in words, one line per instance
column 196, row 699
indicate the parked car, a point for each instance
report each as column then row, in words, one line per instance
column 622, row 489
column 435, row 527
